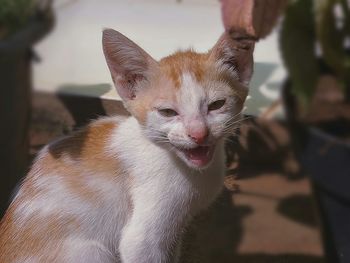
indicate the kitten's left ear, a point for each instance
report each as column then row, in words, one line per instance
column 235, row 53
column 129, row 64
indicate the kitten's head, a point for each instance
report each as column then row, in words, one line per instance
column 186, row 102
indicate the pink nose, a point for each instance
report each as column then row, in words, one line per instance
column 198, row 136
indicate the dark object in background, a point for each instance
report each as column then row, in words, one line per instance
column 317, row 103
column 330, row 171
column 325, row 156
column 15, row 101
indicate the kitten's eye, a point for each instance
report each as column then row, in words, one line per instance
column 167, row 112
column 216, row 105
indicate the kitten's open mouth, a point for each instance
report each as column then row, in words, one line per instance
column 200, row 156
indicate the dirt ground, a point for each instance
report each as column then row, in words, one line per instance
column 266, row 213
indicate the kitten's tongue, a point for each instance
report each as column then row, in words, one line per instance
column 200, row 156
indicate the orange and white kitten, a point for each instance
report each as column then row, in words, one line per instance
column 123, row 189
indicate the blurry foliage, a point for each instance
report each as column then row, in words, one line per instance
column 311, row 25
column 14, row 14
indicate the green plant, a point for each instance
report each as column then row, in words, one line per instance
column 314, row 31
column 14, row 14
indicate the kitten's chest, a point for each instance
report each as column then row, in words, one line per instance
column 158, row 176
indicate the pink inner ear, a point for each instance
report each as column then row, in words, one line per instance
column 129, row 64
column 127, row 85
column 125, row 89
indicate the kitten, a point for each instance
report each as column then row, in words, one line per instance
column 124, row 189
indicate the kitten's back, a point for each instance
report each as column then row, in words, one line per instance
column 59, row 196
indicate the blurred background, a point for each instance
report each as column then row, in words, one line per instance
column 286, row 195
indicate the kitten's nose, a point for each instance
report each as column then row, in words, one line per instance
column 198, row 135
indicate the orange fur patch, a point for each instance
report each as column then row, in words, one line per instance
column 35, row 236
column 188, row 61
column 87, row 144
column 165, row 84
column 85, row 149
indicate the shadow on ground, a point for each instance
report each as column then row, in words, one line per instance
column 215, row 234
column 300, row 208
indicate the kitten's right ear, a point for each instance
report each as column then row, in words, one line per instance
column 129, row 64
column 235, row 52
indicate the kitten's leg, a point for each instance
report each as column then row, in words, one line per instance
column 140, row 244
column 152, row 232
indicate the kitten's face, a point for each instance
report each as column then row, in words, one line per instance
column 187, row 102
column 189, row 114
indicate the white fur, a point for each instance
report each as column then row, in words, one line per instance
column 165, row 195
